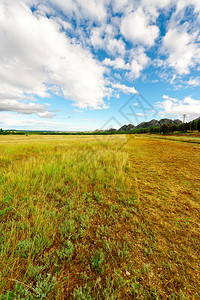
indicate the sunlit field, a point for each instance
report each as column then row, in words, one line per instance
column 179, row 138
column 99, row 217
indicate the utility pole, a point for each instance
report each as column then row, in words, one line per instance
column 190, row 127
column 184, row 117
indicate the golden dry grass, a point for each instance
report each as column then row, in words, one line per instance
column 193, row 138
column 168, row 180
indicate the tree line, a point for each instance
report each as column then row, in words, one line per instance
column 170, row 128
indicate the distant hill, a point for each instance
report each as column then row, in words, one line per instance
column 149, row 124
column 127, row 127
column 158, row 123
column 197, row 119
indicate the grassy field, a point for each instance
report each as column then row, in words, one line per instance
column 179, row 138
column 85, row 217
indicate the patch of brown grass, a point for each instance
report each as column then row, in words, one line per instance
column 168, row 181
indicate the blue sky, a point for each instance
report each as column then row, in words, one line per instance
column 86, row 65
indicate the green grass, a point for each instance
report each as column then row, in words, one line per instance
column 85, row 217
column 179, row 138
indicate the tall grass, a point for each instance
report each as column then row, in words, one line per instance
column 50, row 192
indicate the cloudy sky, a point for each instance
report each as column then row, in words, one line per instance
column 83, row 65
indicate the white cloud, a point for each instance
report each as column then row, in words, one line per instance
column 169, row 98
column 94, row 10
column 35, row 54
column 177, row 108
column 13, row 121
column 120, row 5
column 118, row 63
column 181, row 45
column 124, row 88
column 182, row 4
column 138, row 60
column 46, row 114
column 25, row 108
column 115, row 46
column 141, row 115
column 154, row 5
column 67, row 7
column 96, row 38
column 181, row 50
column 194, row 81
column 137, row 28
column 150, row 7
column 103, row 37
column 65, row 25
column 22, row 122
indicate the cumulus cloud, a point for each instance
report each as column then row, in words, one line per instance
column 25, row 108
column 175, row 108
column 152, row 6
column 35, row 54
column 124, row 88
column 169, row 98
column 181, row 50
column 180, row 45
column 92, row 9
column 46, row 114
column 137, row 28
column 104, row 37
column 117, row 63
column 95, row 9
column 121, row 6
column 137, row 61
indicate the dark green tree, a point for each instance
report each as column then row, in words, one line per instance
column 164, row 128
column 198, row 125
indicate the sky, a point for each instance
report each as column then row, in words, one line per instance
column 78, row 65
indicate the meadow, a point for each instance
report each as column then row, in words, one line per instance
column 99, row 217
column 195, row 138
